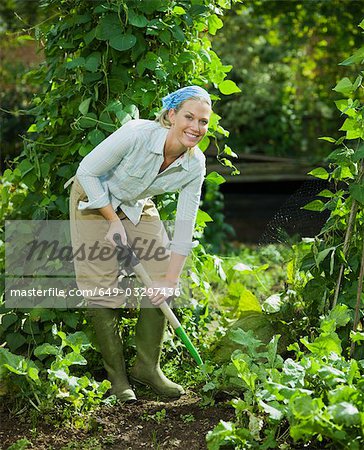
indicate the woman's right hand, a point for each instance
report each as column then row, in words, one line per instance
column 116, row 227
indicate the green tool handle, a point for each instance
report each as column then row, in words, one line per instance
column 172, row 319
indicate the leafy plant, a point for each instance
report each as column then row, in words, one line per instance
column 158, row 416
column 21, row 444
column 48, row 380
column 315, row 396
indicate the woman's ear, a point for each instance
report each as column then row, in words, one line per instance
column 171, row 116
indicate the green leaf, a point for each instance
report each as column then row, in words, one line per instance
column 84, row 149
column 228, row 87
column 25, row 167
column 341, row 155
column 123, row 117
column 178, row 33
column 15, row 341
column 198, row 10
column 165, row 36
column 45, row 349
column 123, row 42
column 93, row 61
column 221, row 434
column 274, row 413
column 90, row 36
column 25, row 37
column 322, row 255
column 109, row 27
column 340, row 315
column 349, row 124
column 7, row 357
column 245, row 338
column 315, row 205
column 345, row 413
column 74, row 358
column 30, row 327
column 248, row 301
column 77, row 341
column 357, row 82
column 87, row 121
column 195, row 278
column 203, row 217
column 356, row 336
column 327, row 138
column 214, row 24
column 344, row 86
column 84, row 106
column 354, row 134
column 7, row 320
column 345, row 106
column 204, row 144
column 33, row 373
column 205, row 55
column 215, row 178
column 359, row 154
column 304, row 407
column 326, row 193
column 77, row 62
column 106, row 123
column 361, row 24
column 186, row 57
column 241, row 267
column 324, row 345
column 357, row 192
column 40, row 314
column 95, row 137
column 357, row 57
column 32, row 128
column 179, row 10
column 227, row 150
column 320, row 172
column 70, row 319
column 151, row 6
column 137, row 20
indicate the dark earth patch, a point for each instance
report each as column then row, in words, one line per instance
column 146, row 424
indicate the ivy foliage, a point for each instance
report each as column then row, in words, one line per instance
column 107, row 62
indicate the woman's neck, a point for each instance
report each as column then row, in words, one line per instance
column 172, row 148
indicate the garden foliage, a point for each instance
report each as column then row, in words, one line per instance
column 314, row 395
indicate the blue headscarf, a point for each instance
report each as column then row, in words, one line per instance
column 171, row 101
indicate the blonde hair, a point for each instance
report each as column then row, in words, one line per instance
column 163, row 119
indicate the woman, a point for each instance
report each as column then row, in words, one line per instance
column 111, row 193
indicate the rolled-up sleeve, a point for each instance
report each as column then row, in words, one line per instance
column 99, row 161
column 187, row 207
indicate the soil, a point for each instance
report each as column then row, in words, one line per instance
column 145, row 424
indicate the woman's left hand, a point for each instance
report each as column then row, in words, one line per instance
column 162, row 290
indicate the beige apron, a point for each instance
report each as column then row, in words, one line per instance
column 96, row 264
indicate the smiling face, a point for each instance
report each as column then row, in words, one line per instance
column 189, row 123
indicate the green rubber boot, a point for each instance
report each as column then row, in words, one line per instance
column 105, row 322
column 149, row 341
